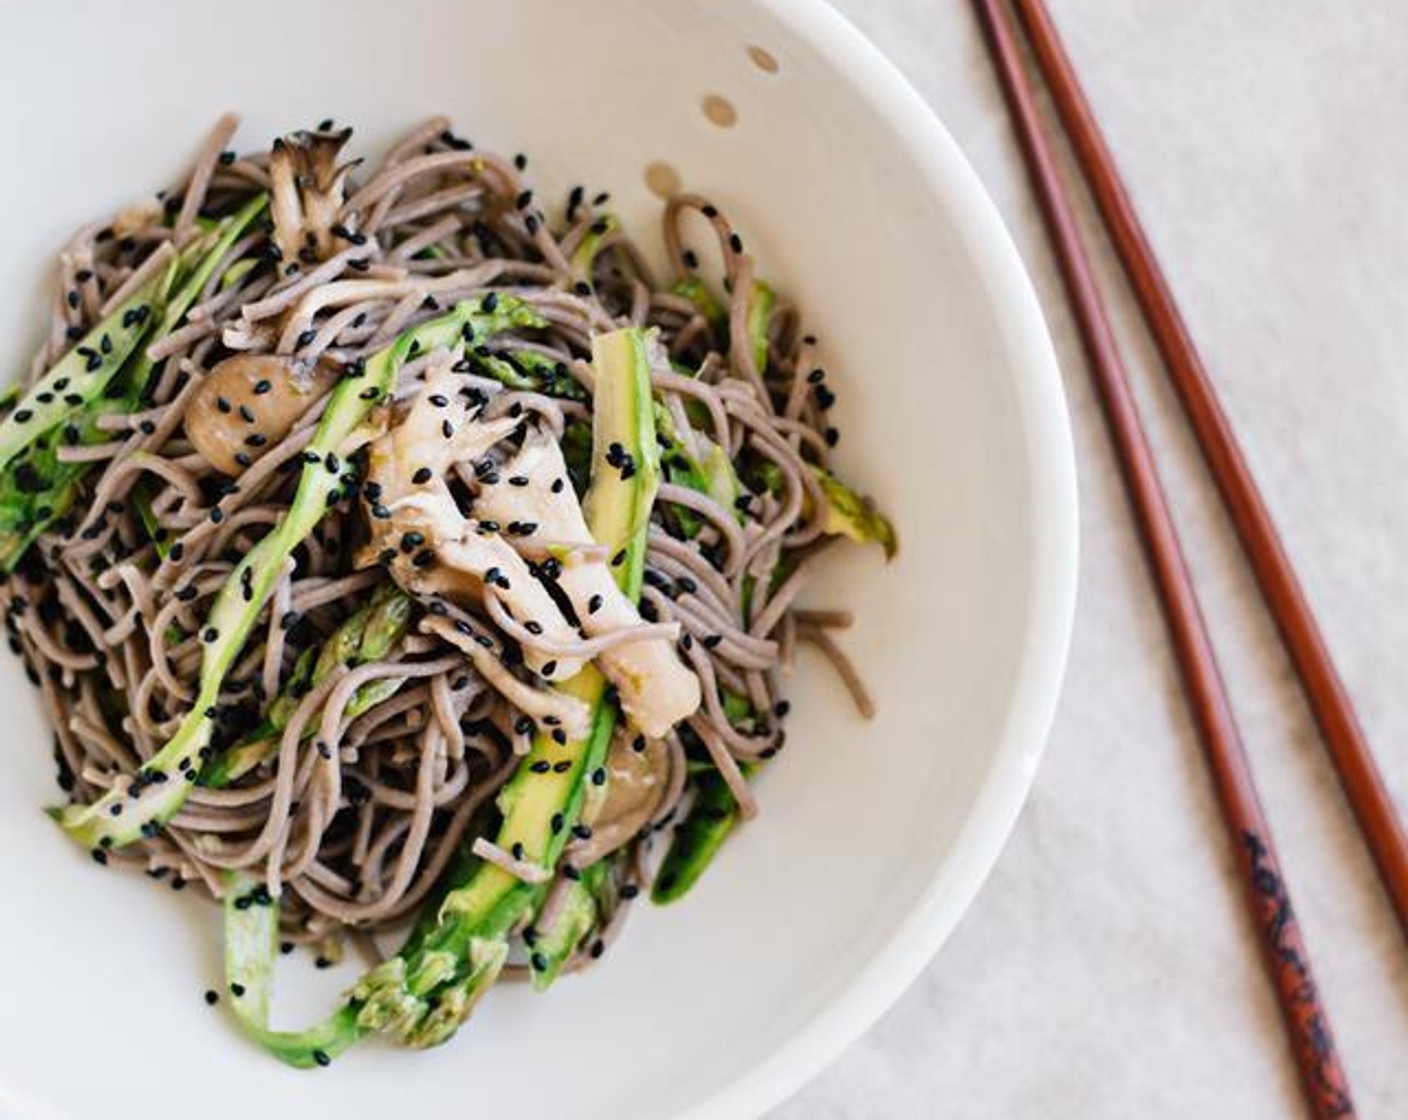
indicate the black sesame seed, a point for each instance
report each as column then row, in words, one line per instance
column 322, row 1058
column 540, row 767
column 832, row 437
column 178, row 550
column 691, row 259
column 422, row 476
column 549, row 668
column 539, row 962
column 490, row 302
column 262, row 386
column 735, row 243
column 209, row 634
column 212, row 997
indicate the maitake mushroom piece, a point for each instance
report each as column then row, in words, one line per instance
column 307, row 192
column 248, row 403
column 524, row 504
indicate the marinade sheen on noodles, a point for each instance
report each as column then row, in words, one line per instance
column 394, row 551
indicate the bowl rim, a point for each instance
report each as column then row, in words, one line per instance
column 955, row 882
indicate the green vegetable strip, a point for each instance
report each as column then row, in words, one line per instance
column 699, row 837
column 583, row 259
column 142, row 502
column 848, row 514
column 251, row 950
column 761, row 301
column 697, row 292
column 36, row 489
column 160, row 788
column 580, row 913
column 367, row 635
column 425, row 994
column 83, row 373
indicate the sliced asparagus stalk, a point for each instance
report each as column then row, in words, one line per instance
column 251, row 950
column 367, row 635
column 580, row 913
column 849, row 514
column 761, row 301
column 159, row 789
column 698, row 838
column 697, row 292
column 584, row 256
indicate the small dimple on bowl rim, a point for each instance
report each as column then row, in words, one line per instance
column 956, row 882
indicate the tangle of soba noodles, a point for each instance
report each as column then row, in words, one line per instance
column 383, row 766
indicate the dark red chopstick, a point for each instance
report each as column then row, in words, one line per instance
column 1288, row 964
column 1334, row 712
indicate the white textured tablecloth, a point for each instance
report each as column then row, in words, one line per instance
column 1107, row 969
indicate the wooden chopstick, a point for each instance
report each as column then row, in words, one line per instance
column 1329, row 701
column 1323, row 1080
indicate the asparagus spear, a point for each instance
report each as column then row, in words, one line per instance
column 579, row 914
column 761, row 301
column 36, row 489
column 424, row 994
column 698, row 838
column 251, row 950
column 849, row 514
column 697, row 292
column 160, row 787
column 366, row 635
column 584, row 256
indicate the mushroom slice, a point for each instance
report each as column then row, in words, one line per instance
column 419, row 532
column 307, row 189
column 248, row 403
column 638, row 770
column 656, row 688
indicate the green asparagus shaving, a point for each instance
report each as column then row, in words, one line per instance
column 532, row 371
column 157, row 792
column 583, row 259
column 848, row 514
column 423, row 995
column 367, row 635
column 697, row 292
column 142, row 501
column 82, row 374
column 579, row 914
column 761, row 301
column 699, row 837
column 36, row 488
column 237, row 272
column 251, row 950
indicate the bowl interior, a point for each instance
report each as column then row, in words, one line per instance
column 873, row 836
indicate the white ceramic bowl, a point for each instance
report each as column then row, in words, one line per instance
column 874, row 837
